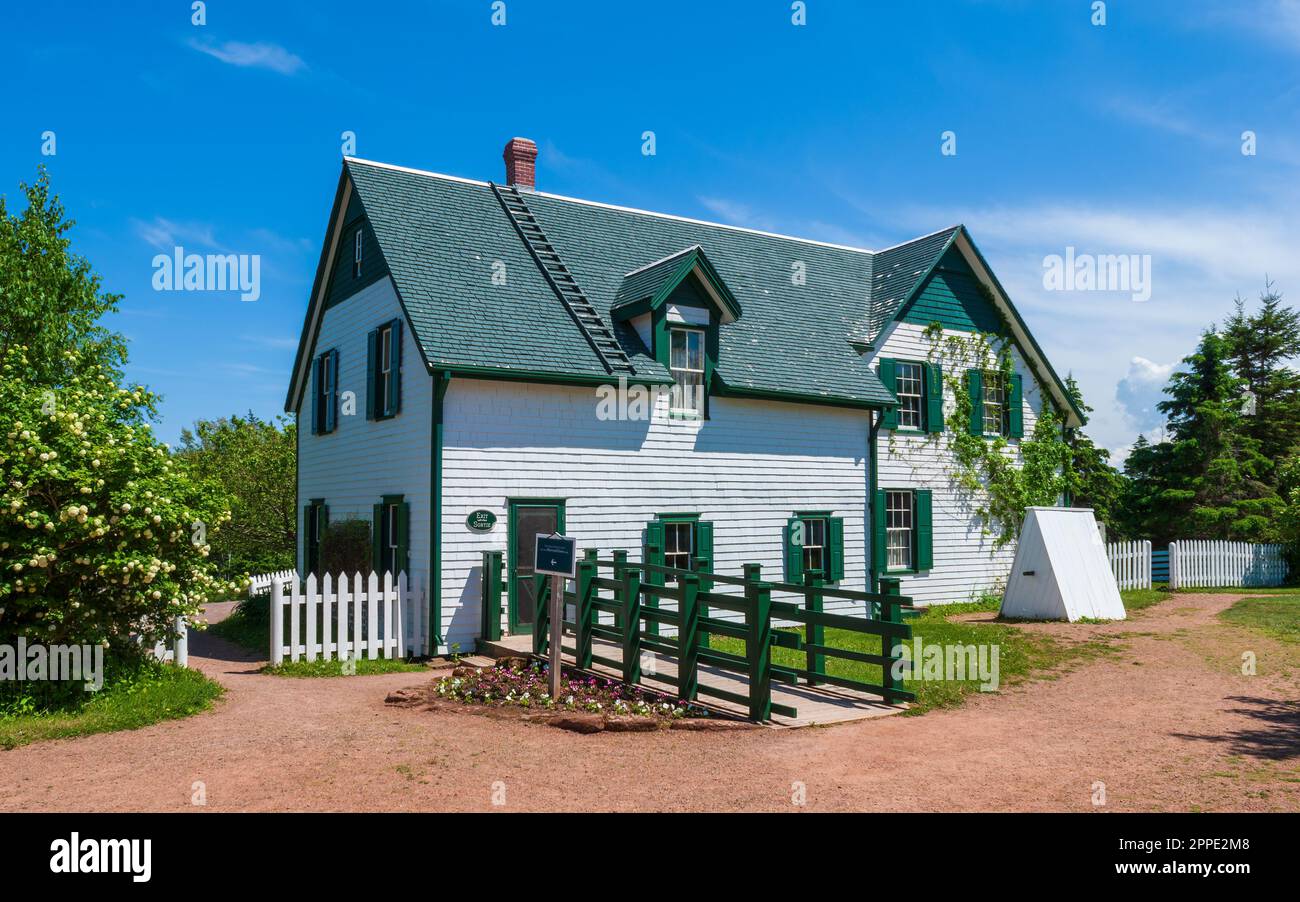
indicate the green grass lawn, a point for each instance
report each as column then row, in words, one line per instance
column 1234, row 590
column 1021, row 654
column 164, row 693
column 247, row 629
column 1276, row 615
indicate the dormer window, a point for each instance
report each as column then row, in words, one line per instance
column 686, row 362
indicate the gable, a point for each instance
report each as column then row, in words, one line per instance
column 344, row 281
column 951, row 295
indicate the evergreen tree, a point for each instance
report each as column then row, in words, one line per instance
column 1259, row 346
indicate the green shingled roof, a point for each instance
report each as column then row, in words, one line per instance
column 443, row 238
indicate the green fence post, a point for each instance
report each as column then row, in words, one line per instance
column 585, row 613
column 890, row 648
column 814, row 633
column 688, row 634
column 704, row 567
column 620, row 572
column 758, row 643
column 541, row 614
column 490, row 592
column 632, row 627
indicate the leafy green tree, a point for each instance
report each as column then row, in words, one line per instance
column 255, row 462
column 1090, row 479
column 103, row 534
column 50, row 300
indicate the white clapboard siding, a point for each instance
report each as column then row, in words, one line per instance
column 260, row 583
column 337, row 618
column 1131, row 563
column 1199, row 563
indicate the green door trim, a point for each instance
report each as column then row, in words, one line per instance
column 512, row 507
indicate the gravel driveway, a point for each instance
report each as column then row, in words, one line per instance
column 1167, row 722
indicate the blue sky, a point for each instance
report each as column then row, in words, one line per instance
column 1115, row 139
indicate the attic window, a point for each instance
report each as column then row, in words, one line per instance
column 356, row 255
column 686, row 361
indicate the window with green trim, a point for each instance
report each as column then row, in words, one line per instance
column 994, row 402
column 384, row 371
column 918, row 385
column 910, row 382
column 686, row 363
column 390, row 531
column 357, row 244
column 903, row 531
column 997, row 403
column 814, row 543
column 324, row 392
column 315, row 517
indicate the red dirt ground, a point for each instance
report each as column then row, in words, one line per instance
column 1167, row 722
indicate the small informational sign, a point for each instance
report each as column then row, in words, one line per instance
column 481, row 521
column 556, row 555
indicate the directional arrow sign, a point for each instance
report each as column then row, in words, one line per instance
column 556, row 555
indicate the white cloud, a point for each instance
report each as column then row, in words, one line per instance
column 260, row 55
column 166, row 234
column 736, row 213
column 1140, row 390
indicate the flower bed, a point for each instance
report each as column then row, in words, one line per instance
column 526, row 685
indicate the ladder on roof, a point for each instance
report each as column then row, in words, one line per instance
column 599, row 335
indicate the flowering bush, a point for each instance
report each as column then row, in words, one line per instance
column 103, row 534
column 529, row 687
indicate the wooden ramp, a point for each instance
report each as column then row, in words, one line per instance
column 815, row 704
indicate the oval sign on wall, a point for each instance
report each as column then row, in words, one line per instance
column 481, row 520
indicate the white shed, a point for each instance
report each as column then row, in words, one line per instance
column 1061, row 571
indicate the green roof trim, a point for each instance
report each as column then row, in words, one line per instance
column 647, row 288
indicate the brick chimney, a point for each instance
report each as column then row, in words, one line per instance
column 521, row 163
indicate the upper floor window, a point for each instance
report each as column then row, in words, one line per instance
column 356, row 253
column 995, row 403
column 324, row 392
column 384, row 371
column 686, row 361
column 911, row 395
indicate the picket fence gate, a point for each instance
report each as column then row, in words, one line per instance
column 1131, row 563
column 346, row 618
column 1208, row 562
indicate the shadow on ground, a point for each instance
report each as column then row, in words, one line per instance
column 1276, row 738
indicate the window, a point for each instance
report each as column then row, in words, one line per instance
column 910, row 389
column 389, row 535
column 902, row 533
column 679, row 544
column 678, row 541
column 900, row 521
column 324, row 393
column 356, row 253
column 995, row 403
column 686, row 361
column 384, row 371
column 814, row 543
column 315, row 517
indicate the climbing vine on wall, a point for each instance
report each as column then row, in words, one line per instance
column 985, row 468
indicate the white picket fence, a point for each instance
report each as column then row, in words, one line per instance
column 179, row 652
column 1205, row 562
column 1131, row 563
column 347, row 617
column 260, row 583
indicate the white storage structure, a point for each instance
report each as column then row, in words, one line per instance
column 1061, row 571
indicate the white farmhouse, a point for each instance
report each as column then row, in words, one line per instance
column 483, row 362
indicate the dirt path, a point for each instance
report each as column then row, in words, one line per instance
column 1167, row 722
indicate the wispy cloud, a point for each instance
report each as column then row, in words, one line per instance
column 737, row 213
column 286, row 342
column 260, row 55
column 166, row 234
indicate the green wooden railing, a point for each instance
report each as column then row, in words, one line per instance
column 633, row 603
column 491, row 588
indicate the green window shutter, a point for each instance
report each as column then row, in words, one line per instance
column 704, row 549
column 933, row 397
column 653, row 552
column 924, row 530
column 888, row 375
column 835, row 538
column 1015, row 407
column 315, row 396
column 793, row 553
column 332, row 391
column 402, row 564
column 393, row 402
column 878, row 554
column 308, row 549
column 377, row 538
column 372, row 361
column 975, row 388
